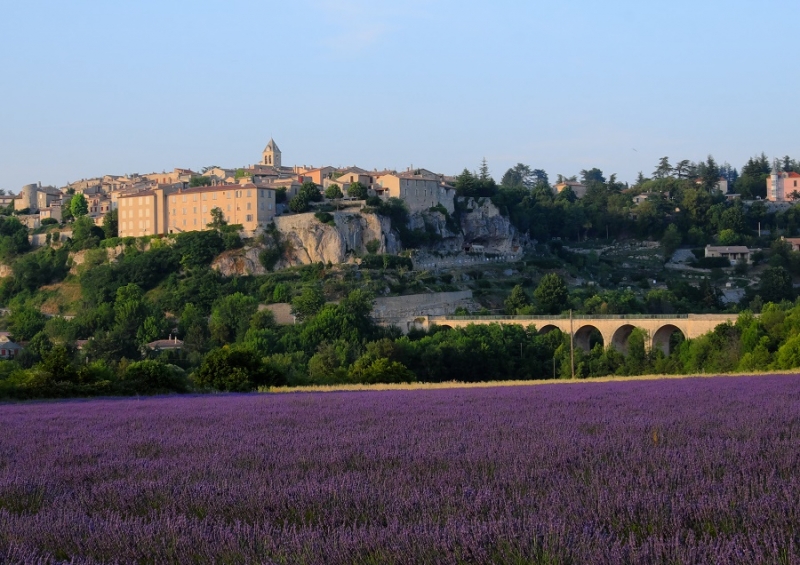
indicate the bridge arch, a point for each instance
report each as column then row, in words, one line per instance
column 662, row 338
column 547, row 328
column 588, row 336
column 620, row 337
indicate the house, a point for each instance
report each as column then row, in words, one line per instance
column 8, row 349
column 733, row 253
column 782, row 186
column 793, row 241
column 171, row 344
column 420, row 190
column 577, row 188
column 644, row 197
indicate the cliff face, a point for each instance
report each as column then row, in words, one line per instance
column 310, row 241
column 480, row 223
column 240, row 262
column 305, row 240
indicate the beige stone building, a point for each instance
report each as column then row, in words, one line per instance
column 419, row 191
column 578, row 188
column 248, row 205
column 174, row 210
column 143, row 213
column 732, row 253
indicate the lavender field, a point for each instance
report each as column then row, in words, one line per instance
column 677, row 471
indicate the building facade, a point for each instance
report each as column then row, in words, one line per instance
column 175, row 210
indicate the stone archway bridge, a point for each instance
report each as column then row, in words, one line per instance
column 614, row 330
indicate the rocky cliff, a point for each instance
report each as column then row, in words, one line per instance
column 304, row 239
column 307, row 240
column 479, row 224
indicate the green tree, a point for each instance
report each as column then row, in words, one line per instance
column 299, row 204
column 198, row 180
column 153, row 377
column 111, row 224
column 357, row 190
column 517, row 300
column 235, row 370
column 308, row 303
column 551, row 295
column 333, row 192
column 217, row 219
column 230, row 318
column 664, row 169
column 776, row 285
column 78, row 205
column 671, row 240
column 25, row 322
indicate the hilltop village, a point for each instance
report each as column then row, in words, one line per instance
column 236, row 278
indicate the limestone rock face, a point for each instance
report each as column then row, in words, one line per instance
column 310, row 241
column 480, row 224
column 239, row 262
column 483, row 224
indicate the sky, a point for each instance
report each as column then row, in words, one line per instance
column 91, row 87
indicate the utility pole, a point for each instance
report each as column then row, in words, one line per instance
column 571, row 345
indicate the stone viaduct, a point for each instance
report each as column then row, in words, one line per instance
column 614, row 330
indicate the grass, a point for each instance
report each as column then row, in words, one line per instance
column 493, row 384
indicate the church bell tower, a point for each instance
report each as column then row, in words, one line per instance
column 271, row 154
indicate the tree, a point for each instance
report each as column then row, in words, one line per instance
column 664, row 169
column 517, row 300
column 78, row 205
column 299, row 204
column 551, row 295
column 333, row 192
column 776, row 285
column 111, row 224
column 671, row 240
column 357, row 190
column 235, row 370
column 308, row 303
column 230, row 317
column 483, row 172
column 217, row 219
column 197, row 180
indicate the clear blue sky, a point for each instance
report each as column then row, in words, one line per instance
column 93, row 87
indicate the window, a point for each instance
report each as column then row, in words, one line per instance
column 248, row 206
column 229, row 207
column 184, row 221
column 194, row 198
column 205, row 209
column 174, row 212
column 184, row 198
column 195, row 221
column 249, row 217
column 261, row 193
column 248, row 193
column 270, row 205
column 262, row 206
column 194, row 210
column 184, row 211
column 205, row 196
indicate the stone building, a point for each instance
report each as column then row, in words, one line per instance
column 782, row 185
column 170, row 209
column 420, row 191
column 732, row 253
column 271, row 156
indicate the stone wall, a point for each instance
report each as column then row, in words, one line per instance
column 401, row 311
